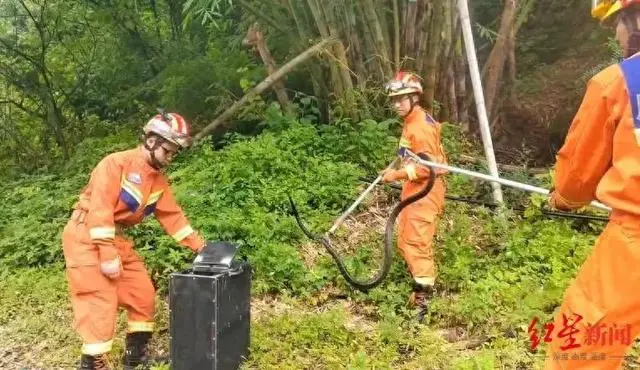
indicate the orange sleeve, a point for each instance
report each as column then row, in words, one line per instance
column 175, row 223
column 587, row 151
column 105, row 181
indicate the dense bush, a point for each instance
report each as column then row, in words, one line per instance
column 239, row 194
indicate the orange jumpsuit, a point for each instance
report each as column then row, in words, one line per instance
column 601, row 160
column 122, row 190
column 417, row 221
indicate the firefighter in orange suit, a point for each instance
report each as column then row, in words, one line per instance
column 417, row 222
column 103, row 270
column 600, row 159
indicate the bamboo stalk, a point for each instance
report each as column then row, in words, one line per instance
column 317, row 76
column 318, row 16
column 410, row 26
column 432, row 57
column 340, row 53
column 423, row 39
column 383, row 20
column 396, row 35
column 379, row 42
column 355, row 47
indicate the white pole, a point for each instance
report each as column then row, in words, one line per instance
column 493, row 179
column 479, row 96
column 360, row 198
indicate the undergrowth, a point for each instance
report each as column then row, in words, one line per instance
column 496, row 270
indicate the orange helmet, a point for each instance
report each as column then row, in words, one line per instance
column 404, row 83
column 604, row 9
column 169, row 126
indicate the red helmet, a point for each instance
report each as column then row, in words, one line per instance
column 171, row 127
column 404, row 83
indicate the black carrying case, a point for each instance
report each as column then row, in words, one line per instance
column 210, row 307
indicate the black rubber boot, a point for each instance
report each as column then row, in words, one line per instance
column 421, row 296
column 135, row 353
column 98, row 362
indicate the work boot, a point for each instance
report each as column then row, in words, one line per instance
column 98, row 362
column 420, row 298
column 135, row 353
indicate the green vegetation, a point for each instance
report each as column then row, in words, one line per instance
column 496, row 272
column 79, row 78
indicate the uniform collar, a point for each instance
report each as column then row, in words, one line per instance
column 415, row 114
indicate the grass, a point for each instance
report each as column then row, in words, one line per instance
column 495, row 272
column 328, row 328
column 478, row 320
column 287, row 333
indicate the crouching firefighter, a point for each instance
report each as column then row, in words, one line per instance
column 417, row 222
column 102, row 268
column 600, row 159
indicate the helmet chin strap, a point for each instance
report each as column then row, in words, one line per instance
column 412, row 103
column 152, row 151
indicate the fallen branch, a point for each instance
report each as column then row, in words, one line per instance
column 506, row 167
column 255, row 39
column 261, row 87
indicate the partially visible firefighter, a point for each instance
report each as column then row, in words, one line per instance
column 600, row 159
column 103, row 270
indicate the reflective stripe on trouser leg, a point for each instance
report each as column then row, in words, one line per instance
column 94, row 349
column 140, row 326
column 137, row 294
column 604, row 295
column 424, row 280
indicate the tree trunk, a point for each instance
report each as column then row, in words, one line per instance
column 461, row 83
column 432, row 57
column 396, row 35
column 410, row 25
column 54, row 118
column 383, row 20
column 320, row 88
column 497, row 58
column 453, row 103
column 511, row 61
column 318, row 16
column 425, row 34
column 442, row 92
column 355, row 48
column 379, row 42
column 340, row 53
column 175, row 15
column 374, row 64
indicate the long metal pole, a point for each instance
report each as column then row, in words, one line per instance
column 515, row 184
column 463, row 9
column 360, row 198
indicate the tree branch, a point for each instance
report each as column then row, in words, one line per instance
column 21, row 54
column 262, row 86
column 261, row 15
column 22, row 107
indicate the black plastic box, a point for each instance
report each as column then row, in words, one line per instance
column 210, row 317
